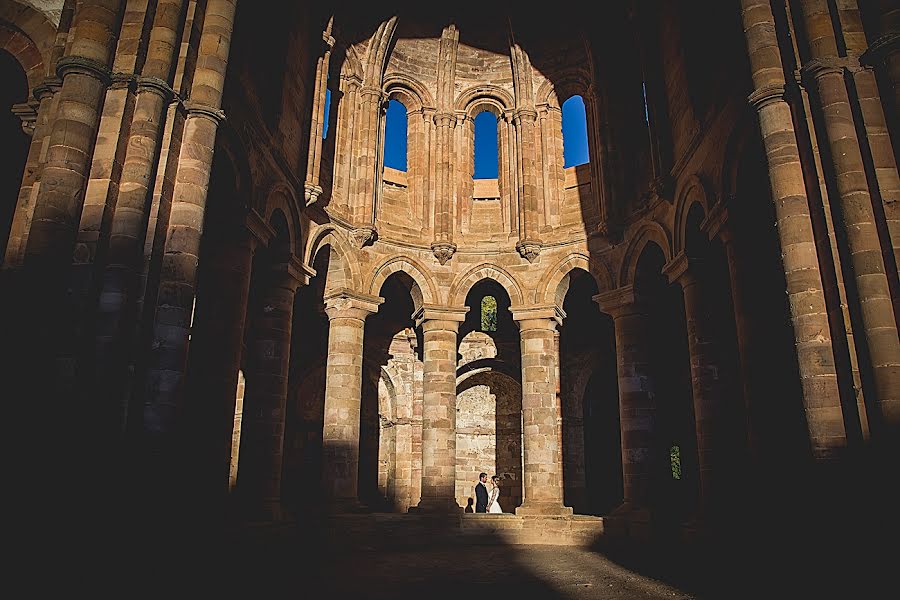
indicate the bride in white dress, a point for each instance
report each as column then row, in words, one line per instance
column 493, row 504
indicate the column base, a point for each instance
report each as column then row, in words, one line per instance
column 629, row 520
column 543, row 509
column 437, row 506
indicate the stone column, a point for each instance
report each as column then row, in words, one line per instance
column 439, row 328
column 366, row 173
column 262, row 426
column 85, row 74
column 818, row 377
column 637, row 406
column 717, row 224
column 443, row 246
column 217, row 341
column 48, row 100
column 178, row 282
column 342, row 187
column 706, row 387
column 529, row 244
column 130, row 204
column 347, row 314
column 311, row 187
column 542, row 464
column 826, row 71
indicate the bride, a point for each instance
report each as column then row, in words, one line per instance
column 493, row 504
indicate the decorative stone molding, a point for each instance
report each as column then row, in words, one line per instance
column 552, row 312
column 311, row 193
column 529, row 249
column 443, row 251
column 83, row 66
column 766, row 95
column 820, row 67
column 363, row 236
column 445, row 119
column 216, row 115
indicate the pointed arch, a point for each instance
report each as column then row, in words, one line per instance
column 282, row 196
column 344, row 273
column 460, row 288
column 427, row 290
column 376, row 58
column 650, row 231
column 692, row 191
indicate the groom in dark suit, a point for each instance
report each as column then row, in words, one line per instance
column 481, row 495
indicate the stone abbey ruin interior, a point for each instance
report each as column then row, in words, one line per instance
column 221, row 304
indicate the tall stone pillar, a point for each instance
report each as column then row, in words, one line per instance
column 717, row 225
column 439, row 328
column 542, row 472
column 637, row 405
column 815, row 353
column 443, row 246
column 363, row 188
column 706, row 386
column 262, row 427
column 178, row 282
column 312, row 189
column 217, row 342
column 529, row 244
column 130, row 204
column 826, row 70
column 347, row 314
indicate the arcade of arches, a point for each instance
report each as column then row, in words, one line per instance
column 217, row 286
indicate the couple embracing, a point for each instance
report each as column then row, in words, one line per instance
column 487, row 502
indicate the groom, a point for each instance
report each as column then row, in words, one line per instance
column 481, row 494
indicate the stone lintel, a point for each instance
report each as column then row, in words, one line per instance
column 542, row 311
column 348, row 303
column 431, row 312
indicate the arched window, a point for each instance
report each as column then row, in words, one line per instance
column 327, row 112
column 395, row 136
column 675, row 461
column 574, row 129
column 489, row 313
column 486, row 158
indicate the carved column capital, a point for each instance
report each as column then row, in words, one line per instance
column 620, row 301
column 543, row 316
column 444, row 317
column 311, row 193
column 443, row 251
column 445, row 119
column 524, row 115
column 27, row 114
column 46, row 88
column 83, row 66
column 347, row 304
column 156, row 86
column 216, row 115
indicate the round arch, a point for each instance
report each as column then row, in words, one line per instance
column 570, row 83
column 428, row 293
column 460, row 288
column 692, row 191
column 650, row 231
column 29, row 36
column 282, row 197
column 483, row 97
column 407, row 90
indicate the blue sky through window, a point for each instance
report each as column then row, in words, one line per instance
column 574, row 128
column 485, row 146
column 327, row 111
column 395, row 136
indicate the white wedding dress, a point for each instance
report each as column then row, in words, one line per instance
column 493, row 504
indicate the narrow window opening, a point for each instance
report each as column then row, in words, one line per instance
column 675, row 461
column 395, row 136
column 327, row 112
column 489, row 313
column 646, row 103
column 486, row 157
column 574, row 130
